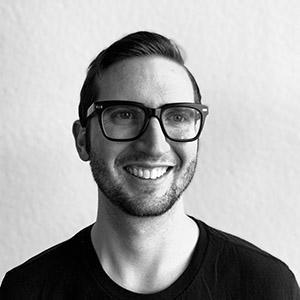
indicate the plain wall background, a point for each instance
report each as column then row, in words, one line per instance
column 245, row 57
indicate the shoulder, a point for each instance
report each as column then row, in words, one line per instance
column 52, row 264
column 250, row 267
column 248, row 254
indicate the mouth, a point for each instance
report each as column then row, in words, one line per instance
column 148, row 173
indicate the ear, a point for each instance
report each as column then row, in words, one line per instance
column 80, row 136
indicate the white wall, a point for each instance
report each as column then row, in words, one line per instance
column 245, row 56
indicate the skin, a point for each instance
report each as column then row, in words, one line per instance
column 142, row 237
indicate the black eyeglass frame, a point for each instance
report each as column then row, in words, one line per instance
column 100, row 105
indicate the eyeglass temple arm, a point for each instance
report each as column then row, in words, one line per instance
column 90, row 110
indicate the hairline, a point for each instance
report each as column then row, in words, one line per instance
column 101, row 72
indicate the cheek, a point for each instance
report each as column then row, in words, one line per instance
column 186, row 152
column 103, row 148
column 106, row 150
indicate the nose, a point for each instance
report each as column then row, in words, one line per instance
column 153, row 140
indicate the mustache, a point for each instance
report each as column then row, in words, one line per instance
column 142, row 157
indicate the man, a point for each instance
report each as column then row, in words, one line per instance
column 140, row 119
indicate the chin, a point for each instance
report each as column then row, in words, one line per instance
column 145, row 205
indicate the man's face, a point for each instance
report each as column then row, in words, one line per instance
column 144, row 177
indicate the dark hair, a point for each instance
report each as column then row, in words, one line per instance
column 137, row 44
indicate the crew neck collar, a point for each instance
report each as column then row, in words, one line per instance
column 93, row 266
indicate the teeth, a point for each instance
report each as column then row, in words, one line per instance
column 152, row 173
column 146, row 174
column 140, row 173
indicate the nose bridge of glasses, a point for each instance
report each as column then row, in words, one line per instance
column 153, row 113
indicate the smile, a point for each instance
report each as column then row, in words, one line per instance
column 147, row 173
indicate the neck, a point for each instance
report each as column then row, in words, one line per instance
column 128, row 245
column 134, row 232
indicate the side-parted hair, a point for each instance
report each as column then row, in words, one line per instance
column 138, row 44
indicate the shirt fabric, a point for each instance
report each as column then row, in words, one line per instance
column 222, row 267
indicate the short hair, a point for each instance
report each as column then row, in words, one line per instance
column 138, row 44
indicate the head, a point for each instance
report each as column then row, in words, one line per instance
column 145, row 176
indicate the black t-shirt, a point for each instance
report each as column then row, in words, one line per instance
column 222, row 267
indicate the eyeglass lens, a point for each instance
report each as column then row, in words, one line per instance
column 127, row 121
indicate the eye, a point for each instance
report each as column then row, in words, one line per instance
column 124, row 115
column 178, row 116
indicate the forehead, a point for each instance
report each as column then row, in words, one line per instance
column 153, row 81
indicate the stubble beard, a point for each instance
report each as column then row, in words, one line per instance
column 134, row 205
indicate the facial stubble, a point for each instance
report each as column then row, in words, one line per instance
column 136, row 206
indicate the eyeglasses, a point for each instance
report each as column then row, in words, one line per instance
column 128, row 120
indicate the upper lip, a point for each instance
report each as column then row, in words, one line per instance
column 149, row 165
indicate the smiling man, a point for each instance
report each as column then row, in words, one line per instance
column 138, row 167
column 140, row 121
